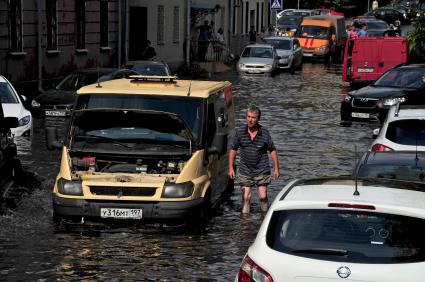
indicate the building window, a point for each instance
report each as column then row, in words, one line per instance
column 176, row 24
column 15, row 26
column 80, row 20
column 104, row 20
column 160, row 25
column 52, row 25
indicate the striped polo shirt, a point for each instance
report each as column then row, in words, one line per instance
column 254, row 159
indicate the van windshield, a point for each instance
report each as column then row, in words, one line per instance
column 190, row 110
column 314, row 31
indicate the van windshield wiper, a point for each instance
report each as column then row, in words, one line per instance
column 324, row 251
column 114, row 141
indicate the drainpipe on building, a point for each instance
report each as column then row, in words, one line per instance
column 188, row 2
column 39, row 47
column 119, row 33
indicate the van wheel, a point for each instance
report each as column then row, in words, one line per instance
column 199, row 221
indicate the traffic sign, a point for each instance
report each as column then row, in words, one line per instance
column 276, row 4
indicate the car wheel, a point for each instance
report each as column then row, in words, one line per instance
column 273, row 73
column 292, row 68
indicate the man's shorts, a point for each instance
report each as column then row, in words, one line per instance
column 260, row 180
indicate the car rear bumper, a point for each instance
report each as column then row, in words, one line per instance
column 76, row 209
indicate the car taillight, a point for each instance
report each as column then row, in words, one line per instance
column 249, row 271
column 380, row 147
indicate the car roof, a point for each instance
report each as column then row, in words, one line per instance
column 404, row 111
column 2, row 79
column 183, row 88
column 412, row 66
column 395, row 195
column 259, row 45
column 286, row 38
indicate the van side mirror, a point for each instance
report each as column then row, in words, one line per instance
column 375, row 133
column 9, row 122
column 219, row 145
column 52, row 139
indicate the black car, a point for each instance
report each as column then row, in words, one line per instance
column 375, row 27
column 402, row 84
column 399, row 165
column 58, row 102
column 389, row 15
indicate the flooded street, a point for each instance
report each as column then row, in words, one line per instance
column 301, row 112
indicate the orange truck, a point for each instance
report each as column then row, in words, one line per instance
column 323, row 36
column 366, row 58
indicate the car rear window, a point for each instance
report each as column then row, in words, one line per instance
column 407, row 132
column 348, row 236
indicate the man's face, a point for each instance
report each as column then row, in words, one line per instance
column 251, row 119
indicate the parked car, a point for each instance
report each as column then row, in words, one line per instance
column 389, row 15
column 367, row 58
column 137, row 150
column 401, row 84
column 10, row 166
column 289, row 50
column 337, row 229
column 403, row 129
column 377, row 28
column 149, row 68
column 58, row 102
column 400, row 165
column 288, row 24
column 258, row 59
column 13, row 106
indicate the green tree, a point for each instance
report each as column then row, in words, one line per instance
column 416, row 37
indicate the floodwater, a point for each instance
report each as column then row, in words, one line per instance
column 302, row 113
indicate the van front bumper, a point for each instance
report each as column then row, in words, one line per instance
column 75, row 209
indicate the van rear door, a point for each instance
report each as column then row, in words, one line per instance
column 365, row 59
column 394, row 51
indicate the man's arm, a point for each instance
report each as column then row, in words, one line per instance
column 275, row 159
column 232, row 156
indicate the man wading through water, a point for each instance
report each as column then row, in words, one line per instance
column 254, row 141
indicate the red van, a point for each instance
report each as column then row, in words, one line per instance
column 366, row 58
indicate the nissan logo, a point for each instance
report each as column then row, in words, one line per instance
column 343, row 272
column 364, row 99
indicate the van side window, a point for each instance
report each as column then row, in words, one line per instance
column 211, row 126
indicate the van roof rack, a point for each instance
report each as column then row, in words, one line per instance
column 157, row 78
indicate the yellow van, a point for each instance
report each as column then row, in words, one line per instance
column 144, row 148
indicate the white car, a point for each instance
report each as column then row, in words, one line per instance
column 403, row 129
column 13, row 106
column 326, row 229
column 290, row 52
column 258, row 59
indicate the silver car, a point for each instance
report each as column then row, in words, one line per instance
column 258, row 59
column 289, row 50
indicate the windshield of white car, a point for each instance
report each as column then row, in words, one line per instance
column 257, row 52
column 7, row 95
column 279, row 44
column 411, row 172
column 189, row 109
column 347, row 236
column 403, row 78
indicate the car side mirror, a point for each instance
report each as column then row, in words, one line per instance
column 51, row 139
column 375, row 133
column 9, row 122
column 24, row 98
column 219, row 145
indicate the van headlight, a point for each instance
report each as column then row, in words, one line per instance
column 393, row 101
column 323, row 47
column 180, row 190
column 69, row 187
column 24, row 121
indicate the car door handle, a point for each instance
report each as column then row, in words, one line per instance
column 381, row 64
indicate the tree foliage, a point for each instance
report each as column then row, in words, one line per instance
column 416, row 37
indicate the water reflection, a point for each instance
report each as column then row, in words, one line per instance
column 302, row 113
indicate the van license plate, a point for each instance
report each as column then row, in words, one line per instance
column 365, row 69
column 360, row 115
column 121, row 213
column 56, row 113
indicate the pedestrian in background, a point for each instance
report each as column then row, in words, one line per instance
column 252, row 35
column 203, row 41
column 149, row 52
column 253, row 141
column 374, row 5
column 363, row 31
column 219, row 44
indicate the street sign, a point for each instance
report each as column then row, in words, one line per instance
column 276, row 4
